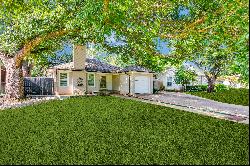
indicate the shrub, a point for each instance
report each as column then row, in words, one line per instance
column 232, row 96
column 220, row 87
column 157, row 85
column 196, row 88
column 173, row 90
column 104, row 92
column 184, row 76
column 199, row 88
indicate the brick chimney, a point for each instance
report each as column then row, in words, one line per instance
column 79, row 56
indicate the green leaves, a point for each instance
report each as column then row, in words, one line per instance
column 205, row 26
column 184, row 76
column 232, row 96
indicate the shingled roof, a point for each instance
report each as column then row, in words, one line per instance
column 92, row 65
column 64, row 66
column 95, row 65
column 135, row 68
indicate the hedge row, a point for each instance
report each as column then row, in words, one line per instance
column 200, row 88
column 232, row 96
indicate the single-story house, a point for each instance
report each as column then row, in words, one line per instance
column 92, row 75
column 168, row 78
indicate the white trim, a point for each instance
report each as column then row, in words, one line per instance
column 60, row 79
column 88, row 79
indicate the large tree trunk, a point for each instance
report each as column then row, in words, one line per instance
column 211, row 84
column 26, row 69
column 14, row 80
column 183, row 88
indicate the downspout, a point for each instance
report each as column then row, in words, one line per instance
column 86, row 82
column 129, row 84
column 56, row 83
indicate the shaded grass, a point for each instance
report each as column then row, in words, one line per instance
column 232, row 96
column 109, row 130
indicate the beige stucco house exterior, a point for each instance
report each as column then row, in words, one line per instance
column 90, row 75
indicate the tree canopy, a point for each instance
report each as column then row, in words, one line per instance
column 219, row 46
column 35, row 27
column 40, row 23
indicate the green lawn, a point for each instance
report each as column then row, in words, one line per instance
column 109, row 130
column 231, row 96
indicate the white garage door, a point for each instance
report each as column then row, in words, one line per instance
column 142, row 84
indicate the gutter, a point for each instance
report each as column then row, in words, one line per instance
column 56, row 82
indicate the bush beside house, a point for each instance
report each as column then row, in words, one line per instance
column 184, row 77
column 199, row 88
column 238, row 96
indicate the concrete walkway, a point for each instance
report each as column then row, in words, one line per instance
column 199, row 105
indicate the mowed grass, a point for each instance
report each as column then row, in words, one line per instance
column 232, row 96
column 110, row 130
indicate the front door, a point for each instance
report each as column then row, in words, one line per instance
column 103, row 82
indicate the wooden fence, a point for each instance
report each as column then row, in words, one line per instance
column 38, row 86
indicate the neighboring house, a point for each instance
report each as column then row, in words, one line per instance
column 232, row 81
column 2, row 78
column 92, row 75
column 168, row 78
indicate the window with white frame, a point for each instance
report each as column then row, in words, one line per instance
column 63, row 79
column 169, row 81
column 91, row 79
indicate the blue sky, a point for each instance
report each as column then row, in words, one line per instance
column 67, row 49
column 162, row 47
column 183, row 11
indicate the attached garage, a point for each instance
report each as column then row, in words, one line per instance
column 142, row 84
column 139, row 80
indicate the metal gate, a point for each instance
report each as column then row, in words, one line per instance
column 38, row 86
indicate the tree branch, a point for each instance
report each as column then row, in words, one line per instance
column 219, row 22
column 105, row 10
column 27, row 48
column 191, row 27
column 106, row 4
column 185, row 31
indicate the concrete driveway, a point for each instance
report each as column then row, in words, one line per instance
column 200, row 105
